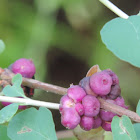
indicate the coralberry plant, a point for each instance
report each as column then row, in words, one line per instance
column 95, row 103
column 81, row 105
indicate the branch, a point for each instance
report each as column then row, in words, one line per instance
column 7, row 76
column 28, row 101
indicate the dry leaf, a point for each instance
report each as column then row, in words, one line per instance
column 94, row 134
column 93, row 70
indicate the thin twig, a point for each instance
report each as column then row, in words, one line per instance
column 114, row 9
column 27, row 101
column 7, row 75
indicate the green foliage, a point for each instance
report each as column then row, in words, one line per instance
column 17, row 80
column 15, row 90
column 32, row 124
column 138, row 108
column 69, row 139
column 122, row 37
column 3, row 133
column 122, row 129
column 2, row 46
column 8, row 112
column 137, row 130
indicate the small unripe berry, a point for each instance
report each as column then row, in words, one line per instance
column 106, row 126
column 70, row 118
column 76, row 93
column 91, row 106
column 101, row 83
column 87, row 123
column 97, row 122
column 79, row 108
column 23, row 66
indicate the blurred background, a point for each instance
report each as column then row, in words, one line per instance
column 62, row 37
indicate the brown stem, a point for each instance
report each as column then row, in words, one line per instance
column 7, row 76
column 119, row 110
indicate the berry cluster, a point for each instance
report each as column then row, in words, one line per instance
column 81, row 106
column 26, row 68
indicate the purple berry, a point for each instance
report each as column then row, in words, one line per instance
column 115, row 78
column 87, row 123
column 91, row 106
column 106, row 126
column 22, row 107
column 5, row 103
column 76, row 93
column 106, row 115
column 115, row 92
column 24, row 66
column 79, row 108
column 70, row 118
column 120, row 101
column 101, row 83
column 84, row 83
column 97, row 122
column 66, row 102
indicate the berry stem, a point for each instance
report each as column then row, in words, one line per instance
column 119, row 110
column 6, row 75
column 114, row 9
column 28, row 101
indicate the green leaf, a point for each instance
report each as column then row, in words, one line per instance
column 17, row 80
column 13, row 91
column 137, row 130
column 32, row 124
column 138, row 108
column 8, row 112
column 122, row 129
column 122, row 37
column 3, row 133
column 2, row 46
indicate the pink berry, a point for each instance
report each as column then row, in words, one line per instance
column 87, row 123
column 106, row 115
column 120, row 101
column 97, row 122
column 66, row 102
column 76, row 93
column 100, row 83
column 79, row 108
column 106, row 126
column 70, row 118
column 115, row 78
column 91, row 106
column 84, row 83
column 24, row 66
